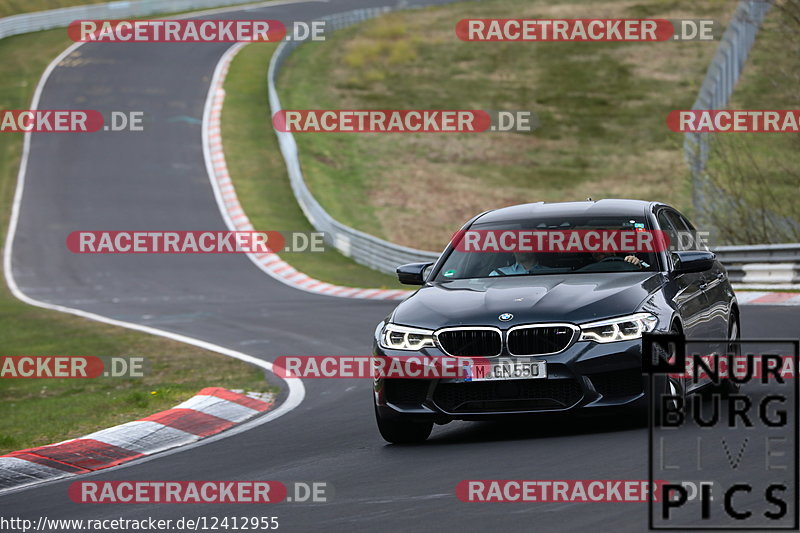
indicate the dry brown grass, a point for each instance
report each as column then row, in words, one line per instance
column 596, row 138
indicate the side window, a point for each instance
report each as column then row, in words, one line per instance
column 698, row 240
column 665, row 225
column 680, row 229
column 685, row 221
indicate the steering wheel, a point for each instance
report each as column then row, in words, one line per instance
column 612, row 258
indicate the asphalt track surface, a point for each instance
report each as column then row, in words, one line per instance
column 157, row 180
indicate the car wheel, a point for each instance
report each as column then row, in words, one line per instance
column 728, row 386
column 664, row 385
column 668, row 386
column 400, row 430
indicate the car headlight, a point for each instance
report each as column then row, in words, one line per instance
column 624, row 328
column 405, row 338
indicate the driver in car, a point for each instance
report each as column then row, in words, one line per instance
column 526, row 263
column 606, row 256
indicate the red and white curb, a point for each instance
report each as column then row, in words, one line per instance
column 768, row 298
column 29, row 468
column 211, row 411
column 236, row 218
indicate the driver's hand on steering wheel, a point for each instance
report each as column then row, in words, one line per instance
column 632, row 259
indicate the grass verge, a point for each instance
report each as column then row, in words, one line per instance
column 760, row 172
column 602, row 109
column 34, row 412
column 259, row 174
column 15, row 7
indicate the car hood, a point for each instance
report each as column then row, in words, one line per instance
column 576, row 298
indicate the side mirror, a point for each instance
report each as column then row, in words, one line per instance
column 412, row 273
column 693, row 261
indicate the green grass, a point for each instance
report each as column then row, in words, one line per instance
column 762, row 170
column 740, row 289
column 602, row 110
column 42, row 411
column 259, row 174
column 35, row 412
column 14, row 7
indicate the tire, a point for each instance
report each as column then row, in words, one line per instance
column 664, row 385
column 401, row 430
column 734, row 334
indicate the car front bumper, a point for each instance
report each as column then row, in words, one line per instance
column 585, row 376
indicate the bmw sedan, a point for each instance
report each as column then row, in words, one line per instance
column 556, row 329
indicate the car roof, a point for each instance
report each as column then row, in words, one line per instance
column 607, row 207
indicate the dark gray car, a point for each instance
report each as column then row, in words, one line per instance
column 561, row 335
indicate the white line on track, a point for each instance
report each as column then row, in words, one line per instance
column 232, row 212
column 296, row 390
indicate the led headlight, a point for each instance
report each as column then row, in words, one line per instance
column 624, row 328
column 405, row 338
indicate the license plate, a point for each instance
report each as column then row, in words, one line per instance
column 505, row 370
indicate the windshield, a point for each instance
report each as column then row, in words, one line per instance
column 497, row 256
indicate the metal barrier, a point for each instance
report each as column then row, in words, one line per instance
column 717, row 87
column 747, row 265
column 59, row 18
column 722, row 75
column 361, row 247
column 762, row 264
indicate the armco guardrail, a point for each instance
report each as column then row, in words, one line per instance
column 762, row 264
column 363, row 248
column 59, row 18
column 716, row 90
column 723, row 73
